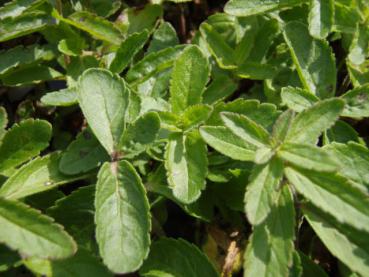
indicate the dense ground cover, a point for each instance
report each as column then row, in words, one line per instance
column 184, row 138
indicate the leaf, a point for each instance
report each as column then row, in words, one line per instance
column 153, row 64
column 332, row 194
column 15, row 8
column 140, row 135
column 357, row 102
column 76, row 213
column 316, row 69
column 308, row 157
column 189, row 77
column 225, row 142
column 246, row 129
column 321, row 18
column 297, row 99
column 223, row 53
column 100, row 90
column 310, row 268
column 38, row 175
column 96, row 26
column 193, row 261
column 219, row 89
column 32, row 234
column 282, row 127
column 256, row 71
column 341, row 132
column 270, row 248
column 83, row 154
column 83, row 263
column 32, row 74
column 359, row 45
column 21, row 55
column 165, row 36
column 262, row 191
column 22, row 25
column 193, row 116
column 338, row 238
column 128, row 50
column 23, row 142
column 3, row 123
column 63, row 98
column 353, row 160
column 186, row 163
column 122, row 217
column 309, row 124
column 252, row 7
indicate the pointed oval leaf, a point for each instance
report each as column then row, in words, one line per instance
column 297, row 99
column 103, row 98
column 64, row 98
column 187, row 165
column 122, row 217
column 316, row 69
column 309, row 124
column 32, row 234
column 189, row 77
column 193, row 261
column 227, row 143
column 23, row 142
column 40, row 174
column 333, row 194
column 246, row 129
column 321, row 18
column 262, row 190
column 308, row 157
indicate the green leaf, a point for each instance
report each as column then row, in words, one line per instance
column 186, row 163
column 297, row 99
column 270, row 248
column 256, row 71
column 100, row 90
column 341, row 132
column 3, row 123
column 153, row 64
column 246, row 129
column 333, row 194
column 219, row 89
column 223, row 53
column 32, row 74
column 189, row 77
column 165, row 36
column 128, row 50
column 310, row 268
column 309, row 124
column 225, row 142
column 359, row 46
column 308, row 157
column 140, row 135
column 262, row 190
column 63, row 98
column 32, row 234
column 83, row 154
column 348, row 245
column 76, row 213
column 193, row 116
column 38, row 175
column 96, row 26
column 122, row 217
column 252, row 7
column 23, row 142
column 193, row 261
column 316, row 69
column 22, row 25
column 357, row 102
column 17, row 7
column 282, row 127
column 83, row 263
column 321, row 18
column 21, row 55
column 353, row 160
